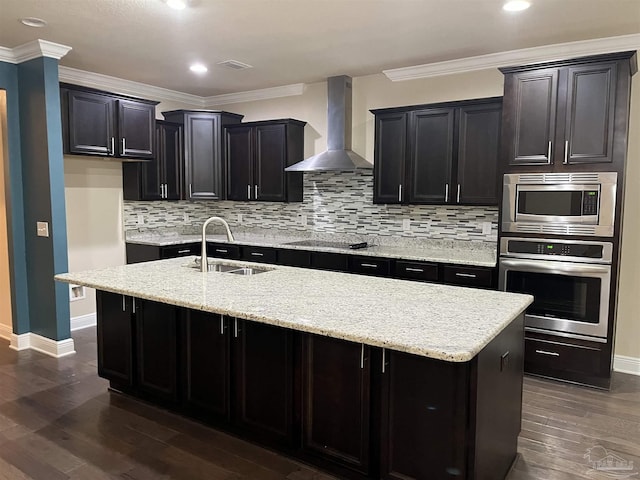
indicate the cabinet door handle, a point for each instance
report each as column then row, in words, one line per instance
column 221, row 325
column 185, row 251
column 458, row 195
column 566, row 152
column 235, row 328
column 545, row 352
column 248, row 192
column 222, row 250
column 361, row 355
column 133, row 305
column 166, row 190
column 256, row 254
column 384, row 359
column 549, row 152
column 255, row 192
column 369, row 265
column 124, row 146
column 162, row 190
column 190, row 194
column 400, row 192
column 466, row 275
column 124, row 304
column 113, row 146
column 412, row 269
column 446, row 192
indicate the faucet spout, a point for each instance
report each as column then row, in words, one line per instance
column 204, row 262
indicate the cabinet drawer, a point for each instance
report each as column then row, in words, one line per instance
column 294, row 258
column 223, row 250
column 260, row 254
column 371, row 266
column 180, row 250
column 546, row 357
column 427, row 272
column 468, row 276
column 330, row 261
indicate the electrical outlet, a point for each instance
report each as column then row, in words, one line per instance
column 239, row 219
column 406, row 224
column 42, row 229
column 486, row 228
column 302, row 218
column 140, row 219
column 185, row 217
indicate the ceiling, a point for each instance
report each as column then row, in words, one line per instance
column 296, row 41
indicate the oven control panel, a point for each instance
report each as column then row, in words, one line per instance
column 590, row 202
column 559, row 249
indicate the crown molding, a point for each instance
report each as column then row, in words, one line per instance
column 252, row 95
column 127, row 87
column 34, row 49
column 525, row 56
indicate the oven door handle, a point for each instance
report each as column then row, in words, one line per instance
column 546, row 266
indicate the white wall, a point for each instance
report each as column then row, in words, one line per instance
column 5, row 285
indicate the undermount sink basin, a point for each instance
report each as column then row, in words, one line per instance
column 217, row 266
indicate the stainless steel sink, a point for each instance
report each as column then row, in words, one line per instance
column 217, row 266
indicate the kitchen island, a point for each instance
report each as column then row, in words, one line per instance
column 365, row 377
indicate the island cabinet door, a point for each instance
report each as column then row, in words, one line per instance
column 156, row 332
column 424, row 418
column 336, row 401
column 206, row 365
column 115, row 337
column 263, row 406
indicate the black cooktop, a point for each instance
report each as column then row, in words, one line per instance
column 328, row 244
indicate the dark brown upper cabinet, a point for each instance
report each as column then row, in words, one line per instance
column 567, row 116
column 160, row 179
column 103, row 124
column 438, row 154
column 203, row 149
column 256, row 156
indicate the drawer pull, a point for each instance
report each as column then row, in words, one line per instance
column 545, row 352
column 184, row 251
column 369, row 265
column 412, row 269
column 466, row 275
column 256, row 254
column 222, row 250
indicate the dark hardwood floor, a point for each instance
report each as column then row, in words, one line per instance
column 58, row 421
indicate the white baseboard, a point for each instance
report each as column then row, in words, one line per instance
column 6, row 331
column 83, row 321
column 624, row 364
column 53, row 348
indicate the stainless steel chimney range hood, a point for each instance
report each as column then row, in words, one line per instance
column 338, row 156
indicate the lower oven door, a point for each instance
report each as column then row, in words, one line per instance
column 570, row 298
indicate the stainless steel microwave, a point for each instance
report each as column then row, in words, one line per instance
column 560, row 203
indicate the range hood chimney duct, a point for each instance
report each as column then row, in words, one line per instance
column 338, row 155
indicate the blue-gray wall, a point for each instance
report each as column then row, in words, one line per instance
column 36, row 193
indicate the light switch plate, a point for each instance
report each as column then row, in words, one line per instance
column 42, row 229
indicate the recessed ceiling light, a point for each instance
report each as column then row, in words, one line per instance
column 33, row 22
column 516, row 5
column 198, row 68
column 177, row 4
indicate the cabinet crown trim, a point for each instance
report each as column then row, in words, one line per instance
column 452, row 104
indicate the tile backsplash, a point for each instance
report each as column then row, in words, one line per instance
column 334, row 202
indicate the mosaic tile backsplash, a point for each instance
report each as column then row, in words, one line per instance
column 334, row 202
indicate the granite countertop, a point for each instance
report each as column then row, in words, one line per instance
column 438, row 321
column 480, row 254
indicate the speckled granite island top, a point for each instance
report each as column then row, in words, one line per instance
column 437, row 321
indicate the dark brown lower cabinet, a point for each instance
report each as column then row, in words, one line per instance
column 357, row 411
column 115, row 337
column 264, row 381
column 206, row 367
column 336, row 401
column 157, row 339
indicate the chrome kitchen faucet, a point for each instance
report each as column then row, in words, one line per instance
column 203, row 255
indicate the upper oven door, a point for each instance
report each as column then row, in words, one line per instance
column 568, row 297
